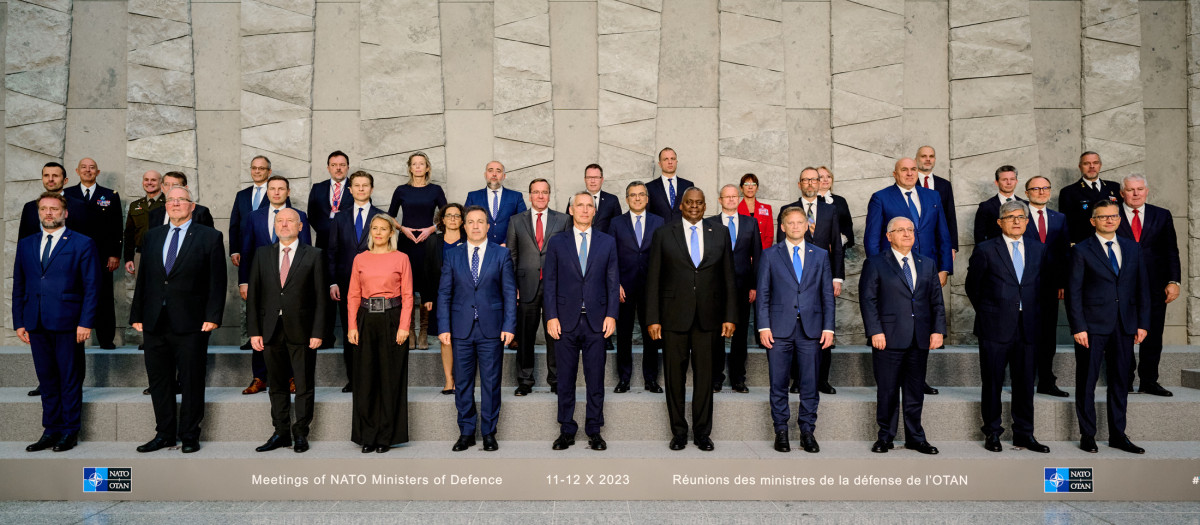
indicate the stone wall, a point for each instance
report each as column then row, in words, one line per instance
column 548, row 86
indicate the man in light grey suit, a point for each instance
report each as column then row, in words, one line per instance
column 529, row 233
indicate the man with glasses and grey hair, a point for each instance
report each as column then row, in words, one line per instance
column 1003, row 278
column 1049, row 229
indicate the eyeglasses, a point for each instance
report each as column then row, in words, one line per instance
column 452, row 216
column 1015, row 218
column 809, row 179
column 539, row 193
column 1038, row 188
column 178, row 200
column 1106, row 217
column 593, row 177
column 902, row 230
column 639, row 194
column 259, row 168
column 749, row 185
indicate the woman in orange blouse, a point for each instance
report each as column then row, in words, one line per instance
column 380, row 302
column 760, row 211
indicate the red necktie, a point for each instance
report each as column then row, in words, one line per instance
column 1042, row 226
column 927, row 182
column 337, row 195
column 1137, row 227
column 540, row 234
column 284, row 266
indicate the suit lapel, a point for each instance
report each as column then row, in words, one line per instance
column 184, row 246
column 785, row 257
column 58, row 248
column 899, row 271
column 1101, row 252
column 485, row 266
column 1002, row 250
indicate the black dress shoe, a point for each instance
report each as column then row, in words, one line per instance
column 992, row 443
column 678, row 443
column 795, row 388
column 108, row 346
column 523, row 390
column 1123, row 444
column 347, row 388
column 1030, row 444
column 1155, row 389
column 247, row 346
column 880, row 447
column 146, row 392
column 929, row 391
column 1088, row 444
column 1052, row 390
column 367, row 449
column 276, row 441
column 653, row 387
column 489, row 443
column 463, row 443
column 809, row 443
column 705, row 443
column 595, row 442
column 447, row 391
column 564, row 441
column 826, row 388
column 156, row 444
column 301, row 445
column 141, row 347
column 608, row 345
column 190, row 446
column 382, row 448
column 717, row 388
column 554, row 388
column 923, row 447
column 622, row 387
column 43, row 443
column 740, row 388
column 35, row 392
column 781, row 441
column 67, row 442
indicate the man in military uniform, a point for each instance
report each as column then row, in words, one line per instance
column 1076, row 199
column 138, row 220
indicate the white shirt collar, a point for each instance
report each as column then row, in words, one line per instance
column 792, row 247
column 1004, row 199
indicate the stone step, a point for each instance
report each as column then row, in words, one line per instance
column 1190, row 378
column 229, row 366
column 124, row 414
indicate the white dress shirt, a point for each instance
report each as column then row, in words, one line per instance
column 912, row 264
column 921, row 178
column 915, row 198
column 687, row 236
column 1116, row 247
column 56, row 236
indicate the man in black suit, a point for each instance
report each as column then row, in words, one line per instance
column 178, row 179
column 824, row 232
column 1108, row 307
column 103, row 227
column 691, row 301
column 285, row 301
column 529, row 234
column 1049, row 229
column 608, row 207
column 1076, row 199
column 840, row 206
column 900, row 297
column 926, row 160
column 325, row 200
column 746, row 243
column 665, row 192
column 634, row 233
column 1003, row 281
column 348, row 236
column 1153, row 229
column 177, row 303
column 988, row 212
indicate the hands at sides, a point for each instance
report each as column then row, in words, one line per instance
column 208, row 327
column 236, row 259
column 622, row 288
column 878, row 342
column 1081, row 339
column 507, row 337
column 943, row 277
column 24, row 335
column 352, row 336
column 335, row 293
column 826, row 339
column 401, row 336
column 444, row 338
column 1141, row 335
column 554, row 328
column 655, row 331
column 610, row 326
column 767, row 339
column 727, row 329
column 256, row 342
column 935, row 340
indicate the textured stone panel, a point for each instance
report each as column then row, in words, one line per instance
column 628, row 64
column 43, row 41
column 399, row 84
column 573, row 56
column 974, row 178
column 516, row 155
column 1111, row 75
column 392, row 171
column 622, row 164
column 865, row 37
column 619, row 17
column 292, row 85
column 766, row 9
column 24, row 109
column 170, row 9
column 520, row 178
column 634, row 136
column 335, row 85
column 751, row 84
column 49, row 84
column 692, row 132
column 160, row 86
column 742, row 118
column 1059, row 140
column 617, row 109
column 1100, row 11
column 1056, row 54
column 339, row 130
column 281, row 165
column 1117, row 155
column 175, row 148
column 304, row 7
column 291, row 137
column 576, row 145
column 42, row 137
column 689, row 54
column 853, row 164
column 515, row 93
column 57, row 5
column 262, row 19
column 278, row 51
column 1164, row 54
column 991, row 96
column 991, row 49
column 521, row 60
column 884, row 83
column 147, row 120
column 146, row 30
column 533, row 124
column 509, row 11
column 849, row 108
column 258, row 110
column 404, row 25
column 1166, row 159
column 731, row 172
column 881, row 137
column 175, row 55
column 653, row 5
column 1125, row 124
column 218, row 138
column 807, row 54
column 21, row 164
column 751, row 41
column 927, row 127
column 97, row 78
column 217, row 53
column 976, row 136
column 809, row 140
column 534, row 30
column 969, row 12
column 1125, row 30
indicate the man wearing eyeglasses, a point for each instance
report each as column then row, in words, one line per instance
column 1049, row 229
column 1003, row 278
column 989, row 210
column 1108, row 307
column 608, row 206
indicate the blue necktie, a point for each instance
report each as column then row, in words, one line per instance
column 358, row 225
column 732, row 233
column 272, row 226
column 495, row 203
column 257, row 196
column 907, row 274
column 172, row 251
column 46, row 252
column 695, row 248
column 637, row 230
column 797, row 263
column 475, row 266
column 1018, row 261
column 912, row 208
column 583, row 254
column 671, row 194
column 1112, row 258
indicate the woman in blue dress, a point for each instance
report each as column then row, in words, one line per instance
column 420, row 200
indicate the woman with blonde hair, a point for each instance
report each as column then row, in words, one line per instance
column 420, row 201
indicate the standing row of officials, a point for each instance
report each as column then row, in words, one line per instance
column 689, row 280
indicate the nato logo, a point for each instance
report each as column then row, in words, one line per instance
column 1068, row 480
column 97, row 479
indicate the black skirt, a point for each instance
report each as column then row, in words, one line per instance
column 380, row 381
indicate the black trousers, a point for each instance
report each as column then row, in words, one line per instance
column 1116, row 351
column 1150, row 350
column 900, row 370
column 282, row 357
column 1047, row 339
column 381, row 381
column 1018, row 357
column 737, row 346
column 634, row 308
column 169, row 355
column 348, row 349
column 693, row 347
column 531, row 315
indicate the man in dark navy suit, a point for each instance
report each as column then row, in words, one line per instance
column 178, row 179
column 1003, row 281
column 582, row 298
column 325, row 200
column 246, row 201
column 348, row 237
column 1075, row 199
column 54, row 180
column 104, row 228
column 55, row 290
column 1108, row 307
column 900, row 298
column 1153, row 229
column 746, row 243
column 608, row 207
column 500, row 203
column 633, row 232
column 926, row 160
column 665, row 192
column 1049, row 229
column 795, row 319
column 478, row 292
column 989, row 210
